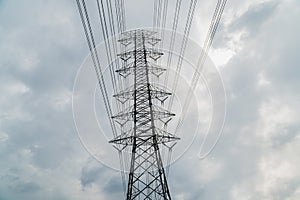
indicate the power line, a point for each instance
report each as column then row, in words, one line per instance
column 163, row 22
column 95, row 58
column 187, row 29
column 96, row 63
column 123, row 14
column 202, row 58
column 208, row 41
column 190, row 16
column 158, row 19
column 172, row 40
column 111, row 25
column 155, row 10
column 105, row 33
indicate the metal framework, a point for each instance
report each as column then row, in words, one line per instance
column 147, row 176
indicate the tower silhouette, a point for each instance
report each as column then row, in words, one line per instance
column 147, row 176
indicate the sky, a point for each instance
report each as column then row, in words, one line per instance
column 42, row 47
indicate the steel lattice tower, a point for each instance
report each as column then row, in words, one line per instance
column 147, row 176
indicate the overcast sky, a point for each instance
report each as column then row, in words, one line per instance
column 256, row 50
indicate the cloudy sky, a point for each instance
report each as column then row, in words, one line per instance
column 256, row 50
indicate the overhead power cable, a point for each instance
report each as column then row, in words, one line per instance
column 118, row 15
column 190, row 16
column 155, row 5
column 108, row 25
column 113, row 32
column 172, row 39
column 163, row 22
column 83, row 12
column 95, row 59
column 108, row 47
column 187, row 29
column 123, row 15
column 202, row 58
column 159, row 8
column 207, row 44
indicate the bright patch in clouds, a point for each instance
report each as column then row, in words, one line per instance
column 221, row 56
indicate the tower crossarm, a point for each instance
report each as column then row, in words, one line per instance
column 128, row 94
column 151, row 53
column 128, row 70
column 157, row 114
column 162, row 137
column 149, row 37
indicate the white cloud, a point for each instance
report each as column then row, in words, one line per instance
column 276, row 118
column 221, row 56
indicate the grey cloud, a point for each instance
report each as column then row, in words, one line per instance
column 113, row 188
column 91, row 173
column 242, row 150
column 38, row 53
column 41, row 134
column 29, row 187
column 250, row 22
column 255, row 16
column 105, row 180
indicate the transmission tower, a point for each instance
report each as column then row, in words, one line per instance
column 147, row 176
